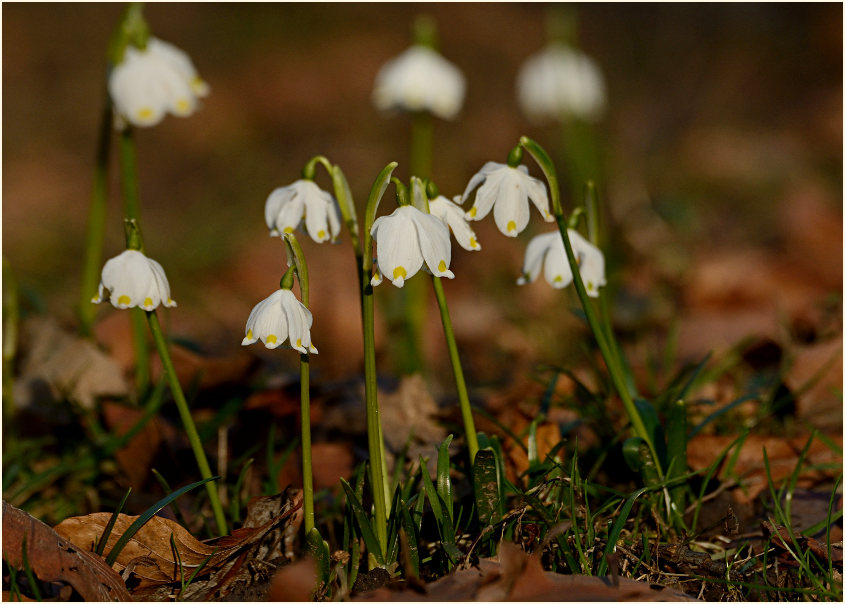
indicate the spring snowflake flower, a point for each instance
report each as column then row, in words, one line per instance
column 453, row 216
column 506, row 191
column 280, row 317
column 420, row 79
column 149, row 83
column 132, row 280
column 287, row 206
column 406, row 239
column 549, row 248
column 561, row 81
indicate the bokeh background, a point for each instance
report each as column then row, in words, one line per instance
column 722, row 147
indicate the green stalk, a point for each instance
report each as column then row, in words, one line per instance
column 617, row 375
column 187, row 420
column 129, row 183
column 375, row 439
column 304, row 391
column 422, row 143
column 463, row 397
column 95, row 234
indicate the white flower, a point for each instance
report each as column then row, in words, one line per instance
column 280, row 317
column 453, row 216
column 559, row 81
column 405, row 239
column 549, row 247
column 132, row 280
column 287, row 206
column 420, row 79
column 151, row 82
column 506, row 190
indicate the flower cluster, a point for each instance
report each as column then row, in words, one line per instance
column 150, row 82
column 420, row 79
column 549, row 248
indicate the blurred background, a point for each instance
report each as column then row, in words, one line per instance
column 722, row 148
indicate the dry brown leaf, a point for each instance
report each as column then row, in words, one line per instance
column 517, row 577
column 149, row 554
column 294, row 583
column 137, row 455
column 56, row 363
column 52, row 558
column 815, row 377
column 782, row 453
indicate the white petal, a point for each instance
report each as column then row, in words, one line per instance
column 557, row 270
column 534, row 254
column 434, row 243
column 318, row 205
column 398, row 247
column 511, row 209
column 479, row 177
column 452, row 214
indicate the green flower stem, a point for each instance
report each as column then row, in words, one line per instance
column 187, row 420
column 129, row 183
column 305, row 390
column 614, row 369
column 463, row 397
column 307, row 472
column 96, row 221
column 422, row 143
column 375, row 439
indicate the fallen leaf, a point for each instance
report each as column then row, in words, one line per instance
column 53, row 558
column 780, row 538
column 135, row 458
column 815, row 379
column 294, row 583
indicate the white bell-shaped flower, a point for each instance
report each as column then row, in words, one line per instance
column 132, row 280
column 453, row 216
column 420, row 79
column 549, row 248
column 506, row 191
column 286, row 207
column 560, row 81
column 278, row 318
column 149, row 83
column 406, row 239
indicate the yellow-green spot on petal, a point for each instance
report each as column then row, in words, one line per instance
column 288, row 230
column 473, row 211
column 148, row 302
column 511, row 226
column 321, row 234
column 249, row 334
column 399, row 272
column 558, row 279
column 589, row 286
column 299, row 342
column 145, row 113
column 442, row 266
column 472, row 242
column 271, row 339
column 183, row 105
column 124, row 299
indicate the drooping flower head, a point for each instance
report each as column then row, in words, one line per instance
column 286, row 207
column 150, row 82
column 454, row 217
column 420, row 79
column 506, row 190
column 405, row 240
column 278, row 318
column 132, row 280
column 560, row 81
column 548, row 248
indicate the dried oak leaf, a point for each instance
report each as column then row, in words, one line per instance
column 53, row 558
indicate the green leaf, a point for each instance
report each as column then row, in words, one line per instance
column 444, row 482
column 486, row 486
column 101, row 544
column 444, row 522
column 319, row 550
column 393, row 523
column 412, row 538
column 676, row 452
column 363, row 523
column 145, row 517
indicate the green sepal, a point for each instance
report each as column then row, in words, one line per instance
column 133, row 29
column 134, row 238
column 418, row 196
column 287, row 280
column 402, row 198
column 295, row 251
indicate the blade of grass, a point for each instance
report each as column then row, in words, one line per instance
column 101, row 544
column 444, row 482
column 363, row 522
column 149, row 513
column 235, row 509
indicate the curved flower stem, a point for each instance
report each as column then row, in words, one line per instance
column 613, row 365
column 129, row 182
column 187, row 420
column 463, row 397
column 96, row 220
